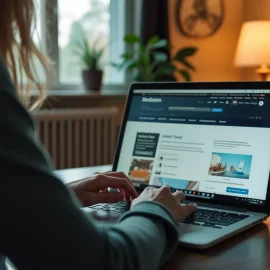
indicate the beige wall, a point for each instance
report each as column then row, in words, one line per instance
column 256, row 10
column 214, row 60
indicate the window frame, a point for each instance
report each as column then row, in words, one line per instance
column 49, row 37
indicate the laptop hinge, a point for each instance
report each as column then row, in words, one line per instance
column 226, row 207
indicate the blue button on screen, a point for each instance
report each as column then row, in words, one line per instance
column 237, row 190
column 217, row 109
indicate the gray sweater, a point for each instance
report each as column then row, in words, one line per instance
column 42, row 226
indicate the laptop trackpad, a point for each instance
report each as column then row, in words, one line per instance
column 198, row 235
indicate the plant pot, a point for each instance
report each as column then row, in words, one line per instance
column 92, row 79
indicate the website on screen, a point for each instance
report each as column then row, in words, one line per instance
column 203, row 144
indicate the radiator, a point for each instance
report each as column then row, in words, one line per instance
column 78, row 137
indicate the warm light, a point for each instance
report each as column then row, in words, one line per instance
column 253, row 47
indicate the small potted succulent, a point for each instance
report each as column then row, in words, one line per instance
column 150, row 62
column 91, row 56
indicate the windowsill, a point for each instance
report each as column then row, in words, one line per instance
column 78, row 99
column 60, row 93
column 84, row 93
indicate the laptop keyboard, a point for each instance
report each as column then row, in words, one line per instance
column 202, row 217
column 213, row 218
column 112, row 208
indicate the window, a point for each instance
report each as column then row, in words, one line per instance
column 102, row 21
column 77, row 18
column 37, row 32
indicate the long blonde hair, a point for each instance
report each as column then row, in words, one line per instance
column 19, row 51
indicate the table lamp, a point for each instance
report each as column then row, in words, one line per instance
column 253, row 48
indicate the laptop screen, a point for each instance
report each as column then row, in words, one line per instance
column 212, row 144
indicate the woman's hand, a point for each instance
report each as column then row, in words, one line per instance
column 94, row 189
column 172, row 201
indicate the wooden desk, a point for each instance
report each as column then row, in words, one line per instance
column 247, row 251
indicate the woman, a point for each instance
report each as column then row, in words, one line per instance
column 42, row 226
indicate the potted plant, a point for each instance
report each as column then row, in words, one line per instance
column 91, row 59
column 150, row 62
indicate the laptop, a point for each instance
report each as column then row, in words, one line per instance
column 209, row 140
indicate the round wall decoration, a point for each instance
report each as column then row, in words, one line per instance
column 199, row 18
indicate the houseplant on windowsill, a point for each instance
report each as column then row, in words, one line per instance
column 91, row 57
column 151, row 63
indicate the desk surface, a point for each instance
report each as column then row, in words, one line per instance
column 248, row 251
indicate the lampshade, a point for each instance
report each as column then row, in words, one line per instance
column 253, row 47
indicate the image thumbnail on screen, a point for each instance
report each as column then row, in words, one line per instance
column 140, row 170
column 176, row 183
column 230, row 165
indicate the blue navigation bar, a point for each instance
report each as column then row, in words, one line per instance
column 197, row 111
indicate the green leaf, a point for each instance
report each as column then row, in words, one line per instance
column 99, row 53
column 188, row 65
column 165, row 70
column 185, row 74
column 139, row 78
column 153, row 40
column 128, row 64
column 86, row 46
column 160, row 44
column 160, row 57
column 90, row 55
column 182, row 54
column 144, row 56
column 131, row 39
column 127, row 56
column 132, row 65
column 169, row 68
column 155, row 43
column 188, row 51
